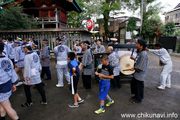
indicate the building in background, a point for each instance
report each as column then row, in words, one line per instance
column 117, row 28
column 173, row 16
column 49, row 13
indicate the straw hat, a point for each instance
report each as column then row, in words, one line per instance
column 125, row 64
column 113, row 39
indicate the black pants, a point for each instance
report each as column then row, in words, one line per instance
column 116, row 82
column 13, row 62
column 28, row 92
column 137, row 88
column 46, row 70
column 86, row 81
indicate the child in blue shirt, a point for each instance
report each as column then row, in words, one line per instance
column 74, row 77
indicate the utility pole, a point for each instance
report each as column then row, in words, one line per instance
column 141, row 13
column 143, row 10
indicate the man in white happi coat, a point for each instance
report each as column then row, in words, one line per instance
column 61, row 52
column 166, row 63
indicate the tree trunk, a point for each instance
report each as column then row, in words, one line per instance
column 106, row 19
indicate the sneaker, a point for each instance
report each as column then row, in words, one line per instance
column 109, row 103
column 19, row 83
column 168, row 86
column 73, row 105
column 99, row 111
column 81, row 101
column 26, row 104
column 160, row 87
column 59, row 85
column 43, row 103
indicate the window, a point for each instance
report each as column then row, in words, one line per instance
column 177, row 15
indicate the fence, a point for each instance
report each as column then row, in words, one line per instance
column 71, row 34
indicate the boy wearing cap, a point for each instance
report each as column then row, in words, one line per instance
column 105, row 75
column 8, row 79
column 74, row 75
column 46, row 60
column 61, row 52
column 32, row 68
column 87, row 65
column 19, row 60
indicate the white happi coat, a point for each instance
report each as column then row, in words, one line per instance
column 114, row 62
column 87, row 62
column 19, row 56
column 7, row 75
column 32, row 68
column 10, row 50
column 100, row 49
column 46, row 56
column 164, row 57
column 61, row 52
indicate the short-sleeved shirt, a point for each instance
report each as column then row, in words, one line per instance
column 141, row 62
column 106, row 70
column 74, row 64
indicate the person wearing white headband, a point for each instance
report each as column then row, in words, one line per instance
column 32, row 68
column 35, row 49
column 61, row 52
column 87, row 65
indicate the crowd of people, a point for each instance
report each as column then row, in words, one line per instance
column 23, row 55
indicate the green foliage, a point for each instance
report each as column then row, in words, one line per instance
column 177, row 32
column 131, row 24
column 150, row 26
column 75, row 19
column 13, row 18
column 169, row 29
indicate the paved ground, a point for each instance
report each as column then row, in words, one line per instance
column 155, row 101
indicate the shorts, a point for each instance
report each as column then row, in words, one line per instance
column 103, row 89
column 74, row 84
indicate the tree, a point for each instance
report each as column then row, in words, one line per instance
column 131, row 26
column 13, row 18
column 169, row 29
column 151, row 28
column 152, row 23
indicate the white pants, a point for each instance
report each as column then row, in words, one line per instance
column 165, row 76
column 60, row 72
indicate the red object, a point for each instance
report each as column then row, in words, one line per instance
column 89, row 24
